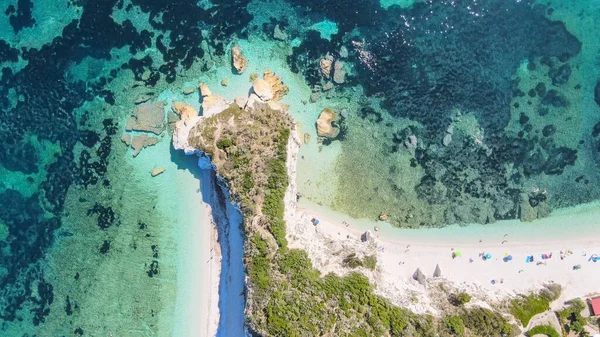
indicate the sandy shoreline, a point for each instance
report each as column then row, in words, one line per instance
column 398, row 258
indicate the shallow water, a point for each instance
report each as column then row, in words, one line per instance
column 499, row 96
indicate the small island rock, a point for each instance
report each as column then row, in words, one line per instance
column 325, row 128
column 157, row 171
column 240, row 63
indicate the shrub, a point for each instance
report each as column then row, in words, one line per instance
column 460, row 298
column 543, row 330
column 224, row 143
column 484, row 322
column 370, row 262
column 526, row 307
column 352, row 261
column 571, row 318
column 455, row 325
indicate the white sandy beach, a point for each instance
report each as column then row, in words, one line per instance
column 400, row 252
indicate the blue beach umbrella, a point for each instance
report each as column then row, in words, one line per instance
column 509, row 257
column 488, row 256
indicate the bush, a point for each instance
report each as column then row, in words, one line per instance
column 484, row 322
column 543, row 330
column 224, row 143
column 571, row 318
column 352, row 261
column 370, row 262
column 526, row 307
column 455, row 325
column 460, row 298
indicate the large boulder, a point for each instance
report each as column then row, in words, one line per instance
column 366, row 236
column 204, row 90
column 419, row 277
column 185, row 111
column 147, row 117
column 213, row 104
column 263, row 89
column 277, row 87
column 325, row 127
column 240, row 63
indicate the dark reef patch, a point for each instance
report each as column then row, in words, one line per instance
column 30, row 235
column 348, row 14
column 106, row 216
column 21, row 16
column 424, row 71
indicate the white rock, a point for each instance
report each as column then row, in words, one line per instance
column 447, row 139
column 262, row 89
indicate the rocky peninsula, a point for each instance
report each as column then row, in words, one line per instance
column 307, row 280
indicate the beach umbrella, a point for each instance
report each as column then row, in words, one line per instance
column 457, row 253
column 509, row 257
column 316, row 221
column 438, row 271
column 488, row 256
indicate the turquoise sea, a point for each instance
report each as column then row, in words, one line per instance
column 449, row 113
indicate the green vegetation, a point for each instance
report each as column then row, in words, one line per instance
column 460, row 299
column 287, row 296
column 455, row 325
column 571, row 320
column 484, row 322
column 526, row 307
column 543, row 330
column 353, row 261
column 224, row 143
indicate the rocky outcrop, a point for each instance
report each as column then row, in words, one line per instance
column 157, row 171
column 139, row 142
column 269, row 88
column 262, row 89
column 185, row 111
column 240, row 63
column 213, row 104
column 148, row 117
column 204, row 90
column 326, row 65
column 325, row 127
column 339, row 74
column 277, row 87
column 279, row 34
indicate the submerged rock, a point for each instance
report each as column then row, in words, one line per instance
column 560, row 75
column 325, row 127
column 339, row 74
column 126, row 138
column 278, row 34
column 138, row 143
column 147, row 117
column 157, row 171
column 326, row 64
column 240, row 63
